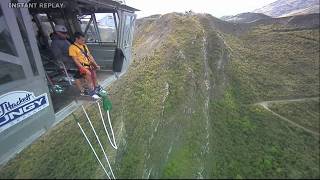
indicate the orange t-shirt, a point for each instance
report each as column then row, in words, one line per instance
column 74, row 51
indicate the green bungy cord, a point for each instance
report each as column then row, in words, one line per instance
column 106, row 103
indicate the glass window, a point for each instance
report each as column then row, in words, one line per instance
column 45, row 24
column 128, row 30
column 26, row 41
column 10, row 72
column 44, row 31
column 6, row 43
column 91, row 35
column 106, row 28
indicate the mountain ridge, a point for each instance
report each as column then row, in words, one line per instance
column 245, row 17
column 284, row 7
column 277, row 9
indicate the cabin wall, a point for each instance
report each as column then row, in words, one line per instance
column 22, row 124
column 126, row 27
column 25, row 126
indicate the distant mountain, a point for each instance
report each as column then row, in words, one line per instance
column 308, row 10
column 245, row 17
column 107, row 21
column 283, row 8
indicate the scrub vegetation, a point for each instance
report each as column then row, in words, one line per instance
column 187, row 107
column 305, row 113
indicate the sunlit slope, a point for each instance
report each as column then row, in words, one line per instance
column 276, row 65
column 165, row 98
column 205, row 84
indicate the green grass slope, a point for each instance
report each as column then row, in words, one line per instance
column 248, row 141
column 187, row 107
column 305, row 113
column 62, row 152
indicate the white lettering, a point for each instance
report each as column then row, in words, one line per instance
column 50, row 5
column 12, row 5
column 32, row 5
column 22, row 5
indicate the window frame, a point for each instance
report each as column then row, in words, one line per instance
column 32, row 40
column 22, row 56
column 93, row 21
column 125, row 36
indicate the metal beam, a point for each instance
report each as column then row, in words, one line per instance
column 88, row 25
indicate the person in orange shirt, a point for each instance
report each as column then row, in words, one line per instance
column 85, row 62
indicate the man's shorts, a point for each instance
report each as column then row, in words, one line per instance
column 78, row 75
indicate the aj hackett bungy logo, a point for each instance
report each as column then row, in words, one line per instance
column 19, row 105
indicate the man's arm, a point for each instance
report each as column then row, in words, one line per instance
column 93, row 61
column 56, row 51
column 73, row 55
column 77, row 62
column 81, row 68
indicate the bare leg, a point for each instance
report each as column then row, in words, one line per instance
column 94, row 78
column 88, row 78
column 78, row 84
column 84, row 83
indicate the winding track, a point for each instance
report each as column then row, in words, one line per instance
column 265, row 105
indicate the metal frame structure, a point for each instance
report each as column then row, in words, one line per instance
column 18, row 136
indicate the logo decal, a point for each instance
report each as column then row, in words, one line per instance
column 19, row 105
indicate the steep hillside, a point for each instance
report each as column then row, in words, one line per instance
column 301, row 111
column 208, row 125
column 289, row 7
column 192, row 105
column 197, row 114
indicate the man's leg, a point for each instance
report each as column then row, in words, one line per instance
column 78, row 84
column 78, row 78
column 94, row 78
column 90, row 82
column 98, row 88
column 88, row 77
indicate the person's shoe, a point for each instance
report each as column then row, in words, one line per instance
column 84, row 92
column 94, row 95
column 99, row 90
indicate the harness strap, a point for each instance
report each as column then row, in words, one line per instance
column 85, row 52
column 85, row 64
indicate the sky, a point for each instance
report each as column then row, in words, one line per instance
column 216, row 8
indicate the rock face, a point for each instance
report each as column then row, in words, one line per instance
column 283, row 8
